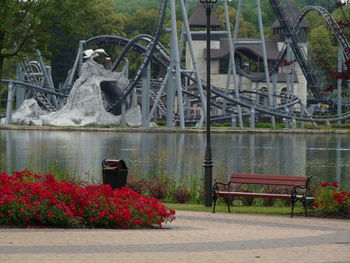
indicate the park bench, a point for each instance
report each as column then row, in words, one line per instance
column 297, row 188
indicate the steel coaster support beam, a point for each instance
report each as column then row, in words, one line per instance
column 48, row 80
column 228, row 82
column 184, row 6
column 10, row 94
column 274, row 87
column 193, row 57
column 294, row 123
column 233, row 121
column 80, row 56
column 289, row 88
column 145, row 97
column 232, row 53
column 123, row 114
column 290, row 77
column 76, row 66
column 170, row 99
column 302, row 123
column 20, row 93
column 252, row 117
column 55, row 98
column 177, row 63
column 338, row 162
column 125, row 70
column 159, row 94
column 339, row 83
column 266, row 68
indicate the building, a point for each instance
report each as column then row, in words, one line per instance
column 248, row 56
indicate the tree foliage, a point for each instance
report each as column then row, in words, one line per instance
column 56, row 26
column 98, row 17
column 131, row 6
column 26, row 25
column 246, row 29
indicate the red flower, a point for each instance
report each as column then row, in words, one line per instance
column 335, row 184
column 96, row 206
column 49, row 214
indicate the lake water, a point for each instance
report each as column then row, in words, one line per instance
column 179, row 155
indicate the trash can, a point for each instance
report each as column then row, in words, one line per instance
column 114, row 173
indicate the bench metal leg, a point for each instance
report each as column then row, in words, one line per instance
column 228, row 204
column 293, row 204
column 214, row 199
column 304, row 205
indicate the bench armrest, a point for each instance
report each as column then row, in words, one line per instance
column 216, row 186
column 302, row 191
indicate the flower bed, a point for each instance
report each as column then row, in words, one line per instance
column 27, row 199
column 332, row 201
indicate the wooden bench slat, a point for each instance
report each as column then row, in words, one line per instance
column 226, row 193
column 268, row 179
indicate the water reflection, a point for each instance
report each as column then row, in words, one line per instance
column 178, row 155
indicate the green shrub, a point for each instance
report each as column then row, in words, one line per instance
column 161, row 123
column 331, row 200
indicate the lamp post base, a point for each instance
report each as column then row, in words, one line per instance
column 208, row 182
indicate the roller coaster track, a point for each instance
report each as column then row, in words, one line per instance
column 37, row 88
column 293, row 33
column 159, row 55
column 163, row 61
column 156, row 53
column 33, row 79
column 272, row 71
column 148, row 56
column 296, row 31
column 343, row 42
column 245, row 101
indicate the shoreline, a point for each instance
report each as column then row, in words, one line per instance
column 214, row 130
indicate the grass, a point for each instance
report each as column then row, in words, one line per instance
column 266, row 210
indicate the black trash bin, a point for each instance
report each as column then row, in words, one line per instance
column 114, row 173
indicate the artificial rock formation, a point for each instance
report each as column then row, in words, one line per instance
column 91, row 92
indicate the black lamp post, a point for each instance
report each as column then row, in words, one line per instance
column 208, row 163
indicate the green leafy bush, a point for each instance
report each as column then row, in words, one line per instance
column 331, row 200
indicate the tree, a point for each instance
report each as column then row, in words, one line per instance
column 246, row 29
column 131, row 6
column 321, row 47
column 143, row 21
column 26, row 25
column 98, row 17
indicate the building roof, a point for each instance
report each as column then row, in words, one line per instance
column 292, row 12
column 199, row 18
column 249, row 50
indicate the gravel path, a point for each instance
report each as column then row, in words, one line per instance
column 192, row 237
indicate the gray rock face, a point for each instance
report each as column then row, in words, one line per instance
column 85, row 104
column 28, row 113
column 92, row 91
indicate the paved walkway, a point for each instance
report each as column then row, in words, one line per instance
column 193, row 237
